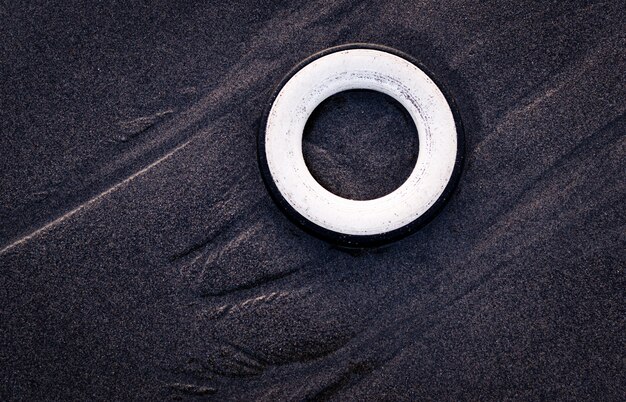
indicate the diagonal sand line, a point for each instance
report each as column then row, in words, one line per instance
column 92, row 201
column 195, row 113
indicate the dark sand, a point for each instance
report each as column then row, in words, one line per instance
column 142, row 258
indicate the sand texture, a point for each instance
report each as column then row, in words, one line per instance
column 142, row 258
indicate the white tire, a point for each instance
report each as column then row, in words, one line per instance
column 360, row 222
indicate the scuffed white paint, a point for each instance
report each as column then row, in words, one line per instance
column 361, row 69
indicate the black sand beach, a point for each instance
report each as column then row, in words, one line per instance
column 142, row 258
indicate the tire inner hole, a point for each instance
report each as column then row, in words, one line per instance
column 360, row 144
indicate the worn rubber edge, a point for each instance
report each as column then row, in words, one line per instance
column 360, row 241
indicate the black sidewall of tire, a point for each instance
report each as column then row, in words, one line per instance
column 358, row 241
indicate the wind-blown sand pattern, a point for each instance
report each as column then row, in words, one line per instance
column 142, row 258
